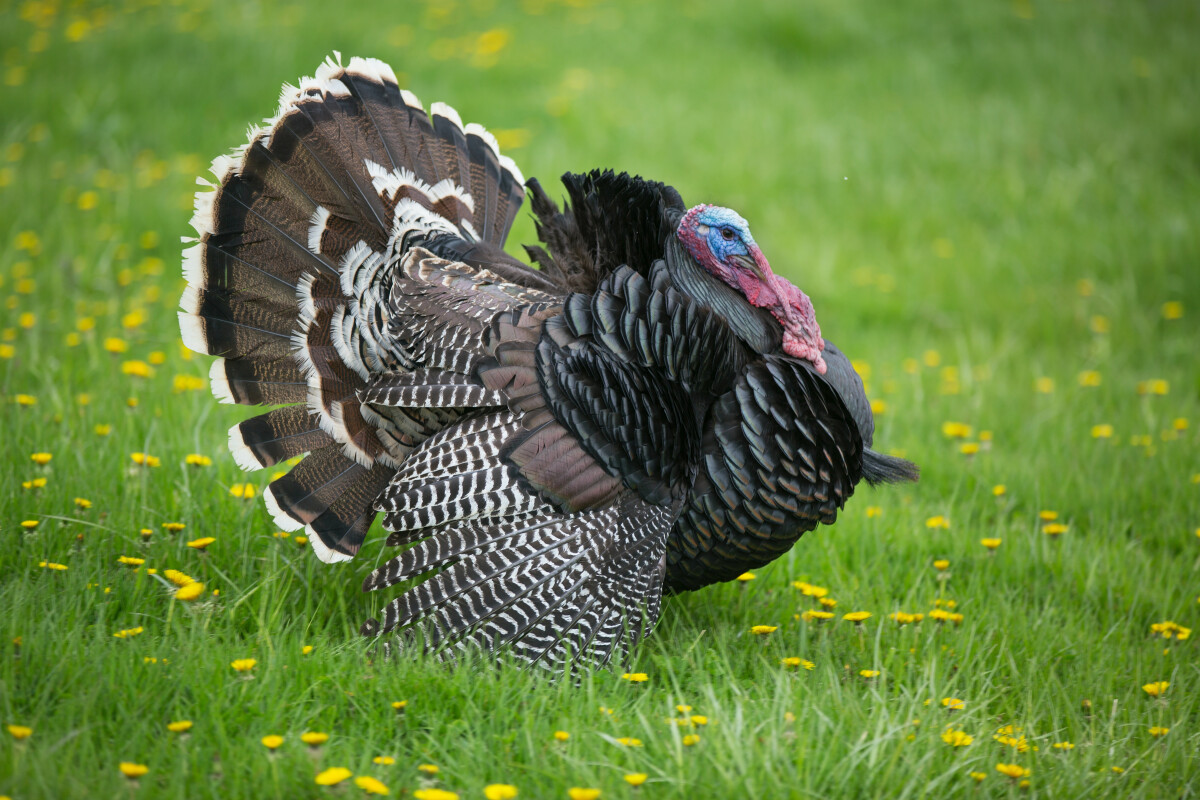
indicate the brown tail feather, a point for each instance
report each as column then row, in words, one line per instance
column 316, row 193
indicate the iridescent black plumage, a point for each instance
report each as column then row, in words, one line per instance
column 563, row 445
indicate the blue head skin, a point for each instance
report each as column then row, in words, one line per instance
column 728, row 234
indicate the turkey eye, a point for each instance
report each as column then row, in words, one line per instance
column 728, row 234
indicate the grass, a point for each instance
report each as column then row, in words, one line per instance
column 976, row 196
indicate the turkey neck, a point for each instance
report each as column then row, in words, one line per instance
column 757, row 329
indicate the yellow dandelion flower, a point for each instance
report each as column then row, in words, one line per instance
column 301, row 540
column 869, row 673
column 1063, row 746
column 272, row 742
column 29, row 524
column 36, row 483
column 956, row 430
column 244, row 491
column 500, row 791
column 19, row 732
column 174, row 527
column 691, row 739
column 698, row 719
column 197, row 460
column 314, row 739
column 953, row 703
column 939, row 521
column 102, row 430
column 1054, row 529
column 52, row 565
column 1044, row 385
column 115, row 345
column 187, row 383
column 635, row 677
column 629, row 741
column 130, row 561
column 371, row 785
column 137, row 369
column 383, row 761
column 26, row 400
column 904, row 618
column 810, row 590
column 41, row 459
column 561, row 736
column 991, row 543
column 428, row 769
column 178, row 578
column 978, row 776
column 683, row 709
column 1117, row 770
column 306, row 649
column 242, row 664
column 879, row 407
column 746, row 576
column 7, row 351
column 332, row 776
column 969, row 448
column 1159, row 731
column 1156, row 689
column 1013, row 771
column 1179, row 424
column 816, row 616
column 200, row 544
column 433, row 793
column 873, row 511
column 181, row 726
column 941, row 564
column 400, row 705
column 577, row 793
column 1172, row 309
column 82, row 502
column 1047, row 516
column 127, row 633
column 856, row 616
column 190, row 592
column 133, row 771
column 957, row 738
column 636, row 778
column 793, row 662
column 1089, row 379
column 763, row 630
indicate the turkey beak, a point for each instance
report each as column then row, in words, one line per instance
column 754, row 263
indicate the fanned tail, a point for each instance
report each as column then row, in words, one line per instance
column 288, row 280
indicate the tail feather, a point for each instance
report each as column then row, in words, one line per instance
column 880, row 468
column 288, row 283
column 276, row 436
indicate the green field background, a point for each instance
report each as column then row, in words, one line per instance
column 995, row 207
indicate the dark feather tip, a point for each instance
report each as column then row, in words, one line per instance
column 878, row 468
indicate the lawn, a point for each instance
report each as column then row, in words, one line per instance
column 994, row 209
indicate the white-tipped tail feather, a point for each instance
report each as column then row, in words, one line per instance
column 316, row 228
column 323, row 552
column 281, row 519
column 218, row 382
column 242, row 454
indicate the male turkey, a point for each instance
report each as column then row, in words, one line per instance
column 653, row 410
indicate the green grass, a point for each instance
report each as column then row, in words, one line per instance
column 939, row 177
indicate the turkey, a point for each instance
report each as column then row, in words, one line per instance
column 650, row 410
